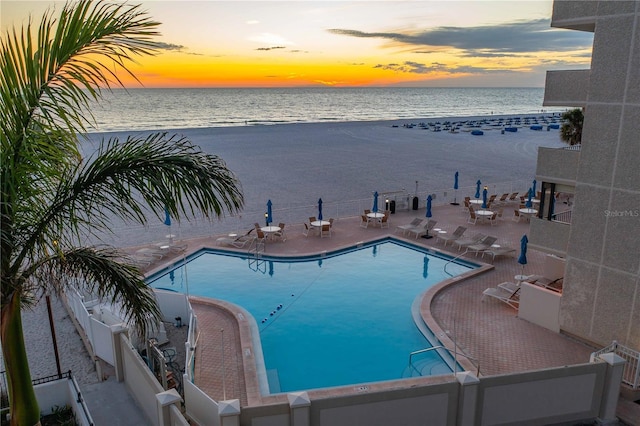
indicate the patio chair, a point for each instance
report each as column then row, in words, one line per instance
column 472, row 219
column 493, row 220
column 457, row 234
column 384, row 221
column 280, row 233
column 468, row 241
column 516, row 215
column 325, row 231
column 364, row 221
column 511, row 298
column 307, row 229
column 414, row 224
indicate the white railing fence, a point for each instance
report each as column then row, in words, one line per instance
column 631, row 372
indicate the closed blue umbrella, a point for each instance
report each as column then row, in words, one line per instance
column 478, row 183
column 484, row 198
column 271, row 268
column 455, row 187
column 534, row 186
column 319, row 208
column 529, row 204
column 429, row 199
column 167, row 217
column 269, row 218
column 523, row 251
column 375, row 202
column 425, row 267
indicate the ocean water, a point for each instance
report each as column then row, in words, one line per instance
column 156, row 109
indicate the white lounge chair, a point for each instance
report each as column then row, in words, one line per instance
column 457, row 234
column 511, row 298
column 469, row 241
column 415, row 223
column 481, row 245
column 423, row 230
column 238, row 242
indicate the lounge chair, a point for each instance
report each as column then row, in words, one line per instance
column 511, row 298
column 482, row 245
column 457, row 234
column 509, row 286
column 423, row 230
column 415, row 223
column 498, row 251
column 238, row 242
column 468, row 241
column 513, row 196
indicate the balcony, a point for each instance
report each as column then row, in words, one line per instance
column 566, row 88
column 558, row 165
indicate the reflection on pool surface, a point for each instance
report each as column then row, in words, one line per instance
column 339, row 319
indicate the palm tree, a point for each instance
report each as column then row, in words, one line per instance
column 52, row 199
column 571, row 129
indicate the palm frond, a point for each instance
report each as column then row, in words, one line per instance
column 101, row 271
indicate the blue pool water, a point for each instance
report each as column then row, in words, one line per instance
column 327, row 321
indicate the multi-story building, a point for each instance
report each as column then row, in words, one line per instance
column 590, row 209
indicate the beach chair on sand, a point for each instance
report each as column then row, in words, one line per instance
column 414, row 224
column 511, row 298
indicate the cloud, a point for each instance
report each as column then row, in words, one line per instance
column 516, row 37
column 169, row 46
column 271, row 48
column 434, row 67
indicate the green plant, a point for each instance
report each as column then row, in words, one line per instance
column 61, row 416
column 52, row 199
column 571, row 129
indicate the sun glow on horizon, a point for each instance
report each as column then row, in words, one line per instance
column 348, row 44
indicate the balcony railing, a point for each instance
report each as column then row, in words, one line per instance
column 562, row 217
column 631, row 372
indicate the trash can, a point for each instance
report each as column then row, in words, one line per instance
column 415, row 203
column 392, row 206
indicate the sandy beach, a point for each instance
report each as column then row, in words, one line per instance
column 294, row 165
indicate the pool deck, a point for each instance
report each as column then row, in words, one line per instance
column 488, row 331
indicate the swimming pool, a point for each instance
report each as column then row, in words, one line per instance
column 330, row 320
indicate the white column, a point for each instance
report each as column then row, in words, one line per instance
column 165, row 400
column 229, row 412
column 468, row 399
column 299, row 403
column 611, row 391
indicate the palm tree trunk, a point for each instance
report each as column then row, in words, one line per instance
column 26, row 412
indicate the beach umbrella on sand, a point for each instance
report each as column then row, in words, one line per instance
column 319, row 208
column 375, row 202
column 269, row 216
column 429, row 199
column 484, row 198
column 523, row 251
column 478, row 183
column 425, row 267
column 529, row 204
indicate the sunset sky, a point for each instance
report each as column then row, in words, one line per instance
column 357, row 43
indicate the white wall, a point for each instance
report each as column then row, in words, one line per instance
column 540, row 306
